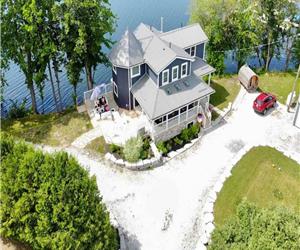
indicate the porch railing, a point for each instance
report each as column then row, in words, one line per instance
column 175, row 121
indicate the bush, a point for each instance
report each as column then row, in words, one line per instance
column 257, row 228
column 161, row 146
column 185, row 135
column 132, row 149
column 115, row 148
column 18, row 111
column 178, row 141
column 146, row 149
column 50, row 202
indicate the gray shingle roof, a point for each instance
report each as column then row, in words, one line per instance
column 186, row 36
column 201, row 68
column 127, row 52
column 159, row 101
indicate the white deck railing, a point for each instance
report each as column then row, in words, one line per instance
column 175, row 121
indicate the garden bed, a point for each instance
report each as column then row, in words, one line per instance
column 179, row 141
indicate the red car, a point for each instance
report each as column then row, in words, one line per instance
column 263, row 102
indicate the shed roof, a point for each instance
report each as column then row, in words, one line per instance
column 159, row 101
column 245, row 74
column 127, row 52
column 186, row 36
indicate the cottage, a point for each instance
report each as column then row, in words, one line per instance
column 162, row 73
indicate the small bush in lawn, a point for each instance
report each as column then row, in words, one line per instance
column 133, row 148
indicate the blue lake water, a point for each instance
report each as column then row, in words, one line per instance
column 129, row 13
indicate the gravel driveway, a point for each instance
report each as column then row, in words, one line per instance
column 162, row 208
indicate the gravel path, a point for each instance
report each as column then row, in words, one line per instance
column 164, row 208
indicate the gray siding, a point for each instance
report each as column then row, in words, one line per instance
column 151, row 74
column 121, row 79
column 176, row 62
column 135, row 79
column 200, row 50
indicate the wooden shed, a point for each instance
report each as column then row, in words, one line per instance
column 248, row 78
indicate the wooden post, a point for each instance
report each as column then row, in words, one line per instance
column 294, row 87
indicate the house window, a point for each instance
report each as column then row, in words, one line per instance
column 173, row 114
column 184, row 68
column 135, row 71
column 160, row 120
column 116, row 91
column 114, row 69
column 182, row 110
column 193, row 51
column 175, row 73
column 191, row 105
column 165, row 77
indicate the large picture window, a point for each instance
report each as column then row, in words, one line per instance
column 184, row 69
column 175, row 73
column 165, row 77
column 135, row 71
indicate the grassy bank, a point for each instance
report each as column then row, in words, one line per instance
column 263, row 176
column 55, row 129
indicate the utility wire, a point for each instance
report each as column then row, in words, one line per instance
column 257, row 46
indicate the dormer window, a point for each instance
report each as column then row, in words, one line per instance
column 193, row 51
column 175, row 73
column 184, row 69
column 135, row 71
column 165, row 77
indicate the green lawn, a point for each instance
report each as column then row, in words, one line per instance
column 263, row 176
column 280, row 84
column 52, row 129
column 227, row 88
column 98, row 145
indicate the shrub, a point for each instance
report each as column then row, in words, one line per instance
column 133, row 148
column 193, row 131
column 258, row 228
column 50, row 202
column 178, row 141
column 161, row 146
column 146, row 149
column 18, row 111
column 114, row 148
column 185, row 135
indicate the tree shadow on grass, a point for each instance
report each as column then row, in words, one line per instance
column 221, row 94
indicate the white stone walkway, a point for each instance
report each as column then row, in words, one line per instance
column 87, row 137
column 179, row 192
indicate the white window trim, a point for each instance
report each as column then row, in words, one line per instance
column 162, row 77
column 194, row 50
column 174, row 79
column 132, row 75
column 116, row 90
column 114, row 68
column 186, row 72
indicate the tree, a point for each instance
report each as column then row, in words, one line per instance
column 85, row 27
column 21, row 43
column 242, row 31
column 272, row 16
column 257, row 228
column 50, row 202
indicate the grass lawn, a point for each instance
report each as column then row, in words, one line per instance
column 98, row 145
column 263, row 176
column 280, row 84
column 227, row 88
column 52, row 129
